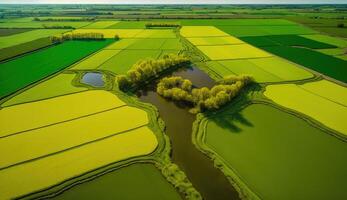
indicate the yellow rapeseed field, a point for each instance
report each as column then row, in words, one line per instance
column 327, row 112
column 55, row 138
column 33, row 176
column 95, row 60
column 328, row 90
column 201, row 31
column 215, row 40
column 110, row 33
column 32, row 115
column 237, row 51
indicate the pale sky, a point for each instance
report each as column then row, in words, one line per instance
column 175, row 1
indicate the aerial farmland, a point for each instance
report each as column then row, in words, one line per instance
column 173, row 102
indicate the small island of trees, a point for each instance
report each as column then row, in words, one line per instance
column 145, row 71
column 202, row 99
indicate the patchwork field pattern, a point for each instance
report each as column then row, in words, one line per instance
column 307, row 54
column 58, row 85
column 120, row 56
column 230, row 55
column 18, row 73
column 58, row 137
column 12, row 40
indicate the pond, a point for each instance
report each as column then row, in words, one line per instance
column 94, row 79
column 207, row 179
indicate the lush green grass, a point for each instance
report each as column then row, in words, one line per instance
column 287, row 40
column 58, row 85
column 125, row 59
column 138, row 181
column 18, row 73
column 19, row 49
column 299, row 162
column 12, row 31
column 20, row 38
column 325, row 64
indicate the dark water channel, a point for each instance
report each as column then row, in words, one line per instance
column 208, row 180
column 93, row 79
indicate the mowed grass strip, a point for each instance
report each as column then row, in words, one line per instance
column 49, row 171
column 110, row 33
column 145, row 179
column 225, row 40
column 201, row 31
column 237, row 51
column 42, row 113
column 44, row 141
column 12, row 40
column 101, row 24
column 58, row 85
column 125, row 59
column 328, row 90
column 23, row 71
column 329, row 113
column 285, row 149
column 95, row 60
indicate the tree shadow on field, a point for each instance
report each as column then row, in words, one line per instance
column 232, row 122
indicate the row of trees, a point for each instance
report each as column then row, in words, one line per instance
column 66, row 19
column 152, row 24
column 146, row 70
column 178, row 89
column 77, row 36
column 57, row 27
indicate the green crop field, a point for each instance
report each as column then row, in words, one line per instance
column 145, row 179
column 14, row 74
column 269, row 155
column 185, row 100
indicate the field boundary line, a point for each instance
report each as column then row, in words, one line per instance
column 56, row 123
column 73, row 147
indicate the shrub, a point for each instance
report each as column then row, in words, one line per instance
column 179, row 89
column 145, row 70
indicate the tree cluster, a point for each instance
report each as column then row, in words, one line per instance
column 64, row 19
column 57, row 27
column 77, row 36
column 151, row 24
column 145, row 70
column 202, row 99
